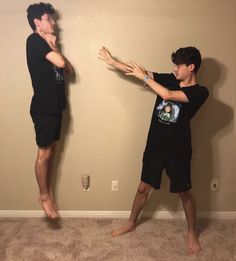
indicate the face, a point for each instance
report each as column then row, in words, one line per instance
column 46, row 25
column 167, row 109
column 182, row 71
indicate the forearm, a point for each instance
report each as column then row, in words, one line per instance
column 159, row 89
column 163, row 92
column 120, row 65
column 68, row 68
column 166, row 94
column 55, row 56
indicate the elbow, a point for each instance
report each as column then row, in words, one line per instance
column 61, row 63
column 167, row 95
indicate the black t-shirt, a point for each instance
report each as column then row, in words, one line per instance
column 170, row 125
column 47, row 80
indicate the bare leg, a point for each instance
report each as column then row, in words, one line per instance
column 41, row 170
column 50, row 174
column 138, row 204
column 190, row 212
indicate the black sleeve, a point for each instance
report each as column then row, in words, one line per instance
column 196, row 95
column 38, row 44
column 165, row 79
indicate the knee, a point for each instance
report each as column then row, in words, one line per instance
column 144, row 188
column 44, row 155
column 185, row 196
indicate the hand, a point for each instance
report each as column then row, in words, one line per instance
column 106, row 56
column 50, row 39
column 136, row 70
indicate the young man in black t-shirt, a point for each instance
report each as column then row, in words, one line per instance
column 168, row 147
column 46, row 66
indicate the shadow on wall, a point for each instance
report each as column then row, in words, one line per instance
column 209, row 126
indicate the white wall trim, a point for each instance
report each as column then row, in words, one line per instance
column 114, row 214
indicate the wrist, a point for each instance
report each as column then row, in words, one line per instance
column 146, row 78
column 113, row 62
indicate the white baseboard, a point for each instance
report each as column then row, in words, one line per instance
column 114, row 214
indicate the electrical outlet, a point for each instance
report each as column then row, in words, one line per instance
column 115, row 185
column 214, row 185
column 85, row 179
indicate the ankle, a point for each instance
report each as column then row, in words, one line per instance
column 44, row 197
column 131, row 223
column 192, row 232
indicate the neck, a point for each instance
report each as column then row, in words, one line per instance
column 192, row 80
column 37, row 31
column 40, row 33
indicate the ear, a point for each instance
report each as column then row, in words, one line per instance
column 36, row 22
column 191, row 67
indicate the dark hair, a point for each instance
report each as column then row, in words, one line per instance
column 188, row 55
column 36, row 11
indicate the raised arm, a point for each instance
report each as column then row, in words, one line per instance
column 105, row 55
column 140, row 73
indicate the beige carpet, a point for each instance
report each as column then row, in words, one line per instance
column 89, row 239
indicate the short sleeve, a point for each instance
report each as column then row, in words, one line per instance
column 196, row 95
column 38, row 44
column 168, row 80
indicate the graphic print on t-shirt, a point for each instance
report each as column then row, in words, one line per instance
column 168, row 112
column 58, row 75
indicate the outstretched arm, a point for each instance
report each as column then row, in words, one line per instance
column 105, row 55
column 165, row 94
column 140, row 73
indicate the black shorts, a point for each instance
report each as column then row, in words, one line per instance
column 47, row 128
column 177, row 166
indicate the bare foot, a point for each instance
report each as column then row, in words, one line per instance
column 124, row 229
column 193, row 243
column 48, row 206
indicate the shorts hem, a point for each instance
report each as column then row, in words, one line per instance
column 153, row 186
column 180, row 190
column 45, row 145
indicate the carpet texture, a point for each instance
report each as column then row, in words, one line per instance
column 89, row 239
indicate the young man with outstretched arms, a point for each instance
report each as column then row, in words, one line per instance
column 168, row 146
